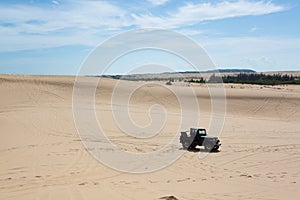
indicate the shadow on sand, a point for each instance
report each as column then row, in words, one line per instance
column 196, row 150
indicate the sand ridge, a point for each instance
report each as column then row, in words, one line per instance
column 42, row 156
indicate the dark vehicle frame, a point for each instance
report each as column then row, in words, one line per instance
column 198, row 137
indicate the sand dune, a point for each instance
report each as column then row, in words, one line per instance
column 42, row 156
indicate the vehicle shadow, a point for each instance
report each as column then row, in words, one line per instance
column 196, row 150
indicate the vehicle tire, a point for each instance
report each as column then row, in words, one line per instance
column 185, row 144
column 192, row 146
column 208, row 146
column 216, row 148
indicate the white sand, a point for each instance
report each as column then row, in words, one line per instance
column 42, row 156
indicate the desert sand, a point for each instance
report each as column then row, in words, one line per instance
column 42, row 156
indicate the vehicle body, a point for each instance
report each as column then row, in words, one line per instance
column 198, row 137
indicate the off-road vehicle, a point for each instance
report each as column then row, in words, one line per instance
column 198, row 137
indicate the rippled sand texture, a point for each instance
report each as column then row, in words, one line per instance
column 42, row 157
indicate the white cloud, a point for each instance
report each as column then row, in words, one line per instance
column 158, row 2
column 77, row 22
column 190, row 32
column 253, row 29
column 78, row 15
column 88, row 22
column 55, row 2
column 191, row 13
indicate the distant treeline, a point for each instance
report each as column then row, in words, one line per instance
column 217, row 71
column 141, row 78
column 254, row 78
column 241, row 78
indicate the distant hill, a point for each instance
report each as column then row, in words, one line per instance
column 230, row 71
column 240, row 76
column 180, row 75
column 214, row 71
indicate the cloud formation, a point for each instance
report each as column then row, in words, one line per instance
column 29, row 26
column 158, row 2
column 191, row 13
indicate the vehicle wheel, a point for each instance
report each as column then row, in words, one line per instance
column 208, row 146
column 185, row 144
column 192, row 146
column 216, row 148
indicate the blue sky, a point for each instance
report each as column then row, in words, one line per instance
column 55, row 36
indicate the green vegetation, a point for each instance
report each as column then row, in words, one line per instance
column 241, row 78
column 198, row 80
column 260, row 79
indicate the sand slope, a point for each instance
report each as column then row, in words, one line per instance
column 42, row 156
